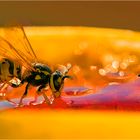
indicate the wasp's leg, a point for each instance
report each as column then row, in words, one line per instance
column 33, row 101
column 10, row 101
column 24, row 95
column 43, row 93
column 3, row 86
column 52, row 98
column 3, row 90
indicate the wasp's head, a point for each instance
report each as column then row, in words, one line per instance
column 57, row 82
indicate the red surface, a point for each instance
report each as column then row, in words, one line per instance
column 115, row 97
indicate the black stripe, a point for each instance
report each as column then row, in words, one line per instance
column 11, row 67
column 57, row 85
column 18, row 70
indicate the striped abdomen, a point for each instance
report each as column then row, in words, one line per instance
column 9, row 69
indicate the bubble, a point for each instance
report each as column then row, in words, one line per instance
column 121, row 73
column 93, row 67
column 102, row 72
column 115, row 64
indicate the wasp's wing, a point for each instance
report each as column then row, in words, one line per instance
column 10, row 52
column 17, row 37
column 15, row 45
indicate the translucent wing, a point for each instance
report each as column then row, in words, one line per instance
column 15, row 45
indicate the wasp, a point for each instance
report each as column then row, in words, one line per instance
column 20, row 61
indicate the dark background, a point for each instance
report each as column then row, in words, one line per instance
column 116, row 14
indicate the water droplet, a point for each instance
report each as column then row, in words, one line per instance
column 102, row 72
column 93, row 67
column 115, row 64
column 121, row 73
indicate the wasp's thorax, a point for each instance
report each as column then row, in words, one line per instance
column 39, row 76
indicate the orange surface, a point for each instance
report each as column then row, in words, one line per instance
column 90, row 51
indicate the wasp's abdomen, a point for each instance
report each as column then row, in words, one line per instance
column 9, row 69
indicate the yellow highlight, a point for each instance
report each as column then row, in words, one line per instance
column 37, row 77
column 45, row 72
